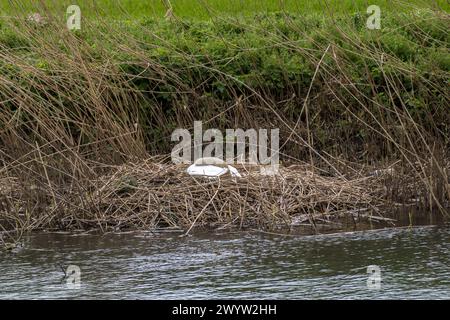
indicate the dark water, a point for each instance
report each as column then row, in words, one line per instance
column 414, row 264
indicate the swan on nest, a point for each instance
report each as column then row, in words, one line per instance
column 211, row 167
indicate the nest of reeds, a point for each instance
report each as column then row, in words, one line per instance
column 150, row 195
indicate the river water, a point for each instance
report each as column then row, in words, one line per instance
column 414, row 263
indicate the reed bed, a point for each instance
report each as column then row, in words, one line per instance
column 151, row 195
column 83, row 112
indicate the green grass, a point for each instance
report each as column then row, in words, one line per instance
column 203, row 9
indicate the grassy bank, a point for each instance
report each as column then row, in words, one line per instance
column 207, row 9
column 79, row 107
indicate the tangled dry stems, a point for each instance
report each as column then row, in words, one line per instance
column 149, row 194
column 74, row 106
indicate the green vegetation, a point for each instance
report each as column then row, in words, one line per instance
column 346, row 99
column 205, row 9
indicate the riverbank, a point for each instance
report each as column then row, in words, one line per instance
column 363, row 118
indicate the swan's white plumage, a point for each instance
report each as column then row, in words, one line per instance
column 206, row 170
column 211, row 167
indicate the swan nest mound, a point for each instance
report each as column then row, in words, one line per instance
column 152, row 195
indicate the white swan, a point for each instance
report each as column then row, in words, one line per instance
column 211, row 167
